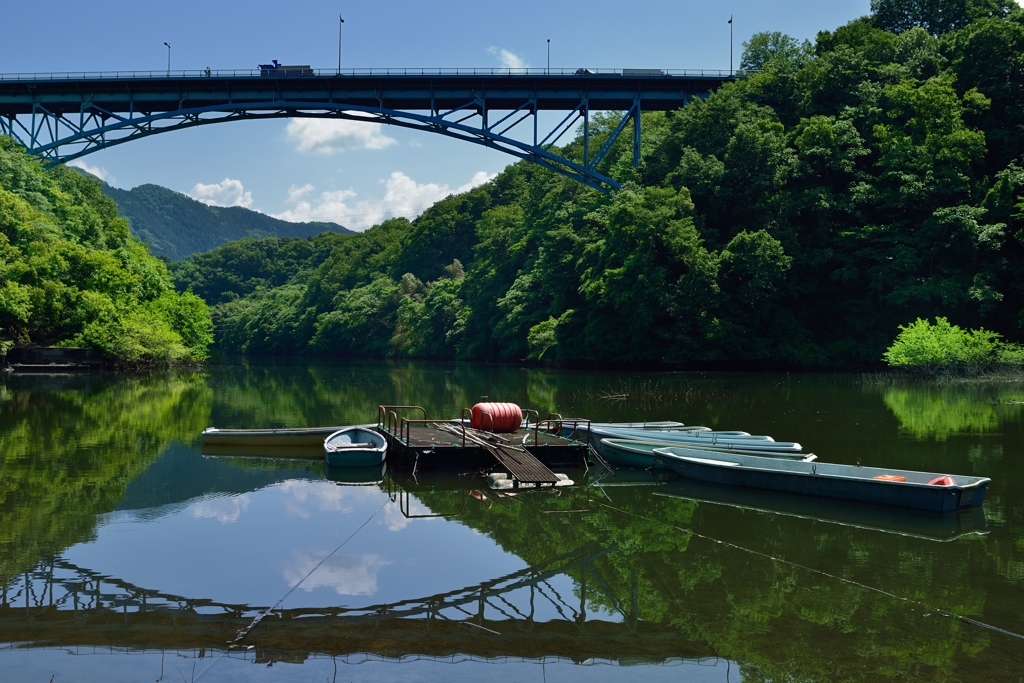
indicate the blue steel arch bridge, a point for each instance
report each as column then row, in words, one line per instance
column 63, row 116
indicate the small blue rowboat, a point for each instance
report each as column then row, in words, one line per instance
column 630, row 453
column 355, row 447
column 900, row 488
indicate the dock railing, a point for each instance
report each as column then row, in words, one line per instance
column 536, row 424
column 559, row 422
column 389, row 422
column 385, row 411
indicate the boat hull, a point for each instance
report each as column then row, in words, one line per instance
column 313, row 436
column 826, row 480
column 628, row 453
column 700, row 439
column 626, row 456
column 272, row 452
column 338, row 452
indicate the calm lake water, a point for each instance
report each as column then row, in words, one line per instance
column 126, row 555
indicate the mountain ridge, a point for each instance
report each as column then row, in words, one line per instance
column 176, row 226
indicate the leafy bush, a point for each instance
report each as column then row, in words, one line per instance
column 924, row 345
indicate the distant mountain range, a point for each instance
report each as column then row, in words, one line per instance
column 176, row 226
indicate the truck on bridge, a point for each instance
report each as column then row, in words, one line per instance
column 275, row 69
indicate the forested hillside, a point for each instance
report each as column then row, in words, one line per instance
column 175, row 225
column 795, row 217
column 71, row 273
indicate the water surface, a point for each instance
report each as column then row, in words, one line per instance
column 126, row 553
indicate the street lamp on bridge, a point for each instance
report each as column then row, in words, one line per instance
column 341, row 23
column 168, row 58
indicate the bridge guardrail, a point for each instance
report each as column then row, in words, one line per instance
column 388, row 71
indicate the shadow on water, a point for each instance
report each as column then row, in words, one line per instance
column 635, row 570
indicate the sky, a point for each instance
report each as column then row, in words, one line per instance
column 353, row 173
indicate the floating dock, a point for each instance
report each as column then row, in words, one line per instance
column 426, row 444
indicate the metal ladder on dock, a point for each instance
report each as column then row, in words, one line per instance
column 522, row 465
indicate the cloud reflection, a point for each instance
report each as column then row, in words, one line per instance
column 225, row 509
column 301, row 495
column 346, row 574
column 396, row 521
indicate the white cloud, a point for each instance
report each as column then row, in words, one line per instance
column 97, row 171
column 508, row 58
column 227, row 192
column 346, row 574
column 329, row 136
column 403, row 196
column 225, row 509
column 297, row 193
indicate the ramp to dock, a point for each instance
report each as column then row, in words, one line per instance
column 521, row 465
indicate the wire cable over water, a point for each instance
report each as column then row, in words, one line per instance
column 255, row 622
column 968, row 620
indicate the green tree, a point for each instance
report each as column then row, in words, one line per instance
column 936, row 16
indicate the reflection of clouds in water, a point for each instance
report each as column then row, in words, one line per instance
column 396, row 521
column 326, row 496
column 225, row 509
column 346, row 574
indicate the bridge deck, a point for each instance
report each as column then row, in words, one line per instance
column 395, row 91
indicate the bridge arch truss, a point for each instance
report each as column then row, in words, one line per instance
column 60, row 120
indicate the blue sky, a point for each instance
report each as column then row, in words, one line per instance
column 355, row 173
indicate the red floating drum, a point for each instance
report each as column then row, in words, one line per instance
column 496, row 417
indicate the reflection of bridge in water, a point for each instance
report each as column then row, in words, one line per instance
column 59, row 603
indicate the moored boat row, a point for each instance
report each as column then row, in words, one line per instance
column 725, row 458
